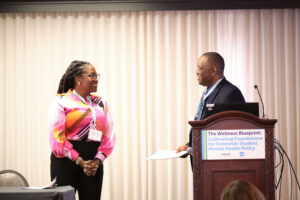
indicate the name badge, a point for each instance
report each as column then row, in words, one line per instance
column 95, row 135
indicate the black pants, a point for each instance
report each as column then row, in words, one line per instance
column 68, row 173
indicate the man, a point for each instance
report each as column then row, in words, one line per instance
column 210, row 73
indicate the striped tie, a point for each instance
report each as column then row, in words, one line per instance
column 201, row 105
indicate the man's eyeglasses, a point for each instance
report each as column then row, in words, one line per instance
column 94, row 76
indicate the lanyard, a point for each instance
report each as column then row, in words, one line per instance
column 92, row 109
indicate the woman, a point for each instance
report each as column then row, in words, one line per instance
column 241, row 190
column 81, row 132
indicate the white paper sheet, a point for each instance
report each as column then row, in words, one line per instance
column 50, row 185
column 165, row 154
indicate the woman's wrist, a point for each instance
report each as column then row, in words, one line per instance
column 78, row 160
column 98, row 161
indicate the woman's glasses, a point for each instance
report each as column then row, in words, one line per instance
column 94, row 76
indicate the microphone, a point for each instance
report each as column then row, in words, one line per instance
column 262, row 103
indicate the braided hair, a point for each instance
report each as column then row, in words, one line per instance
column 67, row 81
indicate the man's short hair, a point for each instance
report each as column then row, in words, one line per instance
column 215, row 58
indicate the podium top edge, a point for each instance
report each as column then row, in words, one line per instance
column 233, row 114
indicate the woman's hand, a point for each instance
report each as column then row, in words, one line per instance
column 90, row 167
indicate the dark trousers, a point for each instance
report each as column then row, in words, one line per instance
column 68, row 173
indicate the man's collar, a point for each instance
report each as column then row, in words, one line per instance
column 216, row 83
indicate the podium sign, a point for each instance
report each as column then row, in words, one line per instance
column 233, row 144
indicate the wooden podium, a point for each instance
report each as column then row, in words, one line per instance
column 211, row 176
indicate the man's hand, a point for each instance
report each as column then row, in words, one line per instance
column 182, row 148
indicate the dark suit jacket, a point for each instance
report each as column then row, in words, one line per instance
column 225, row 92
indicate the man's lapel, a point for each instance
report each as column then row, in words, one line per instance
column 212, row 96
